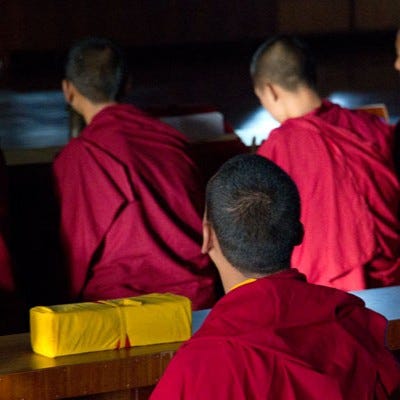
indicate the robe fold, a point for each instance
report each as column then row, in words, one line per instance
column 282, row 338
column 131, row 205
column 342, row 164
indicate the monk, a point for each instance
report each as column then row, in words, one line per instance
column 130, row 196
column 273, row 335
column 342, row 163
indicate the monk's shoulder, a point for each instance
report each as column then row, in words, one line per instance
column 296, row 137
column 77, row 154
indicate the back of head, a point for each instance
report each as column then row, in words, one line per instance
column 286, row 61
column 97, row 68
column 254, row 208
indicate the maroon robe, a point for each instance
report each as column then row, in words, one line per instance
column 342, row 164
column 282, row 338
column 131, row 206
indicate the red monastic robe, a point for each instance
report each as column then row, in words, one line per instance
column 282, row 338
column 131, row 207
column 342, row 163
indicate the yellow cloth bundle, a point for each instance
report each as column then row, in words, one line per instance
column 104, row 325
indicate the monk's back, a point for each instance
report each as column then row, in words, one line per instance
column 367, row 127
column 350, row 196
column 282, row 338
column 147, row 230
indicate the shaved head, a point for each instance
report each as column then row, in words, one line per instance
column 254, row 208
column 285, row 61
column 96, row 66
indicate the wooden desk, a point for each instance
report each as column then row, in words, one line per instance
column 128, row 373
column 116, row 374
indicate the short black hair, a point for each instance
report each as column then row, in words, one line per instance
column 254, row 208
column 97, row 67
column 286, row 61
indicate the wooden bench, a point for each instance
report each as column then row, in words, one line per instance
column 112, row 375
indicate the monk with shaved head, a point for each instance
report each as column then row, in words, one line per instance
column 130, row 195
column 342, row 163
column 274, row 335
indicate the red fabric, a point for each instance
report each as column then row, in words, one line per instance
column 209, row 155
column 131, row 206
column 341, row 162
column 282, row 338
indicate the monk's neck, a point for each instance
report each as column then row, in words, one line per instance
column 231, row 277
column 90, row 110
column 301, row 102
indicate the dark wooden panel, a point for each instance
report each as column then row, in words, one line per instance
column 314, row 16
column 49, row 24
column 376, row 14
column 134, row 394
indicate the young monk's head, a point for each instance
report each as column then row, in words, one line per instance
column 252, row 219
column 284, row 60
column 283, row 68
column 96, row 67
column 397, row 46
column 95, row 73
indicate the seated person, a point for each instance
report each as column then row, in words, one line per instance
column 273, row 335
column 130, row 196
column 342, row 163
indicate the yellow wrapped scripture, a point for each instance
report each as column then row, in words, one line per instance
column 105, row 325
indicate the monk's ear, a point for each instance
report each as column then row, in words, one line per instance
column 68, row 90
column 260, row 90
column 272, row 91
column 267, row 93
column 207, row 238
